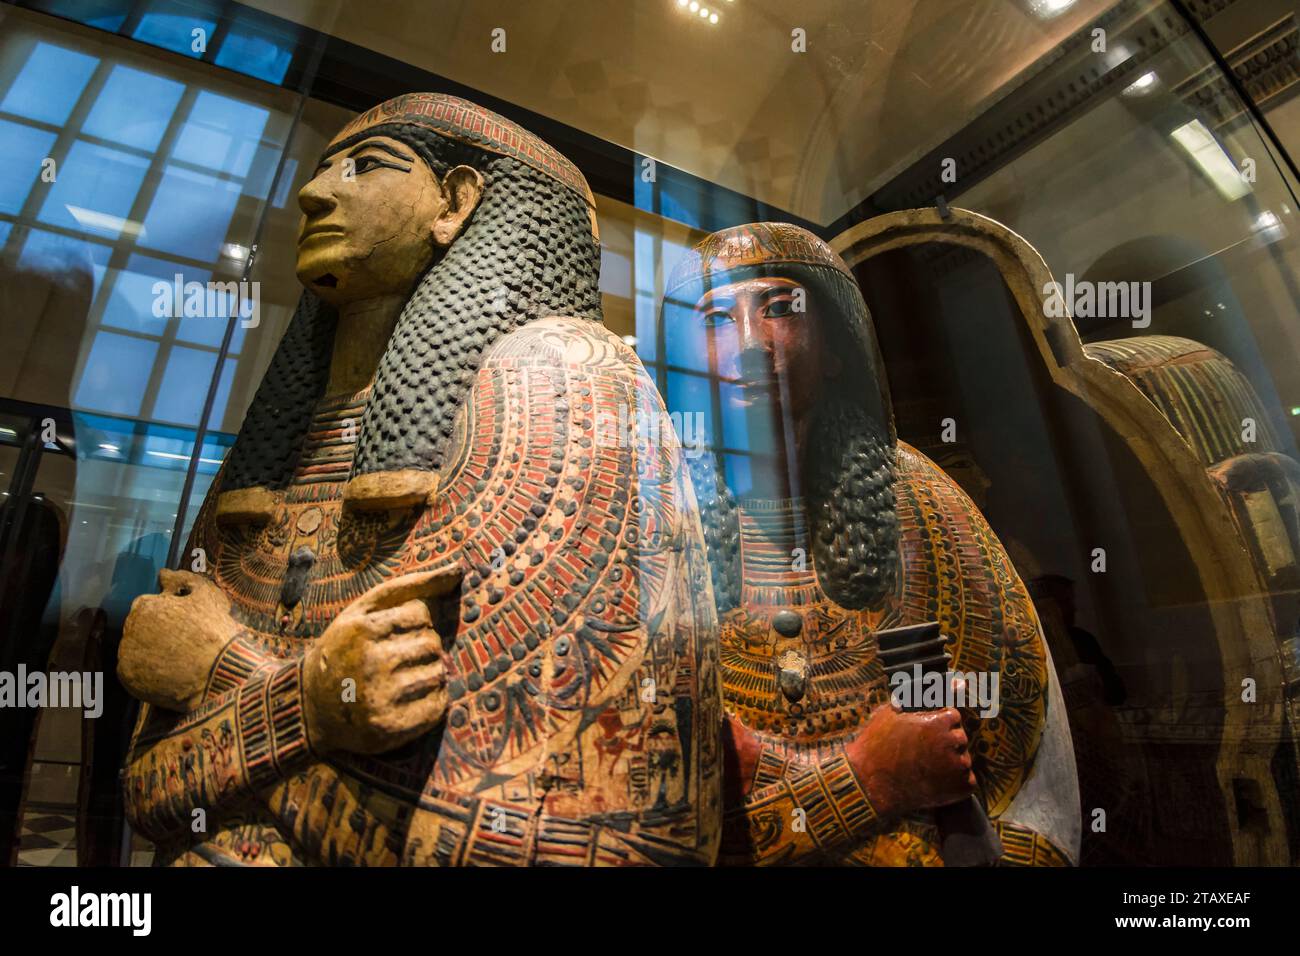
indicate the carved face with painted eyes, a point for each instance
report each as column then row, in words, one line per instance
column 764, row 335
column 373, row 216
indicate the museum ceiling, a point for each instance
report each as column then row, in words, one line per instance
column 881, row 83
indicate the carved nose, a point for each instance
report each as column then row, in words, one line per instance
column 755, row 362
column 313, row 200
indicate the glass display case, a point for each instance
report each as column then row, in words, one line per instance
column 1073, row 228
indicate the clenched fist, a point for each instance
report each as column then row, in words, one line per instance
column 912, row 761
column 170, row 641
column 385, row 643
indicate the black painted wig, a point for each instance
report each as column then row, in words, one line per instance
column 527, row 252
column 848, row 464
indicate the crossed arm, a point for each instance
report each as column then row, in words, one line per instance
column 616, row 778
column 782, row 812
column 222, row 752
column 797, row 815
column 251, row 728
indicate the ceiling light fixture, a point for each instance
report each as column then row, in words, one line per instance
column 1268, row 225
column 175, row 457
column 1212, row 159
column 1047, row 9
column 1143, row 85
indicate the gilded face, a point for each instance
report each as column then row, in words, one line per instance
column 763, row 335
column 373, row 216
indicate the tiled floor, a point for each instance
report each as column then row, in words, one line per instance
column 49, row 838
column 142, row 851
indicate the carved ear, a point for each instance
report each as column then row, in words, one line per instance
column 390, row 490
column 247, row 506
column 463, row 187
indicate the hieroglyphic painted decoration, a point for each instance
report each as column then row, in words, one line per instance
column 1219, row 414
column 1201, row 392
column 581, row 649
column 801, row 674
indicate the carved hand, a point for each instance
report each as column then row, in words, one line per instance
column 912, row 761
column 383, row 642
column 170, row 640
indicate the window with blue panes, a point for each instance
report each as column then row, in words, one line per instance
column 176, row 31
column 143, row 161
column 677, row 358
column 256, row 56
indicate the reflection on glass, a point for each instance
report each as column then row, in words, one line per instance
column 116, row 374
column 95, row 191
column 49, row 84
column 221, row 134
column 134, row 108
column 146, row 154
column 257, row 56
column 190, row 214
column 25, row 147
column 176, row 32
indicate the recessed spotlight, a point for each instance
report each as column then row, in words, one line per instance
column 713, row 18
column 1267, row 220
column 1047, row 9
column 704, row 13
column 1143, row 85
column 694, row 5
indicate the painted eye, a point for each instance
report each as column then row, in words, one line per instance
column 780, row 308
column 716, row 318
